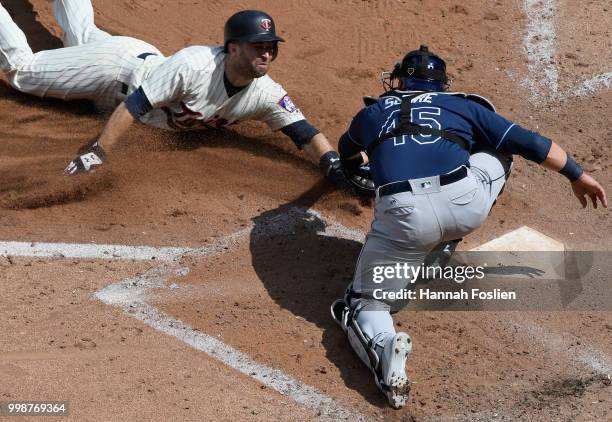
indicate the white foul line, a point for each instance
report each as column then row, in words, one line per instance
column 587, row 356
column 603, row 81
column 542, row 80
column 130, row 296
column 276, row 379
column 90, row 251
column 539, row 43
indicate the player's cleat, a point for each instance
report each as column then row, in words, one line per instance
column 392, row 379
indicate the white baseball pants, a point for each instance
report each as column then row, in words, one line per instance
column 93, row 65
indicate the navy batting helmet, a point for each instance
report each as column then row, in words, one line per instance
column 421, row 70
column 250, row 26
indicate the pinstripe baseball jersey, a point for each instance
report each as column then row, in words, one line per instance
column 187, row 91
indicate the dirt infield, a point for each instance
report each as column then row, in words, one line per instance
column 124, row 336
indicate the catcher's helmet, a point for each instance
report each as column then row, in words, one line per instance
column 250, row 26
column 421, row 70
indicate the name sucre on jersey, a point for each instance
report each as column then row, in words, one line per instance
column 423, row 116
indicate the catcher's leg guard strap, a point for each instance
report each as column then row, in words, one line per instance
column 365, row 329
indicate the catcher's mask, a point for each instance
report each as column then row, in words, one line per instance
column 419, row 70
column 251, row 26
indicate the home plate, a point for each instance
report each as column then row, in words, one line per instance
column 522, row 253
column 523, row 239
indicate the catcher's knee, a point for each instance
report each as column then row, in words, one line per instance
column 378, row 299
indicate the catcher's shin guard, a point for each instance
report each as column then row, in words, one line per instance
column 390, row 368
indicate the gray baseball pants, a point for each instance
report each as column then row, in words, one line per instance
column 408, row 226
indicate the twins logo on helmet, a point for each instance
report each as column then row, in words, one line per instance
column 266, row 24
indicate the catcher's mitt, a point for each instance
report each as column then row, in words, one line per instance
column 359, row 176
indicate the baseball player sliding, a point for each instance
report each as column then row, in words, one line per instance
column 438, row 161
column 197, row 87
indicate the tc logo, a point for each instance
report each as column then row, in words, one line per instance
column 266, row 24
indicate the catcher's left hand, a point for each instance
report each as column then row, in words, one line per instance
column 87, row 160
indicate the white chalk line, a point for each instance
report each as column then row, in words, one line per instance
column 565, row 343
column 598, row 83
column 539, row 41
column 539, row 44
column 273, row 378
column 131, row 296
column 90, row 251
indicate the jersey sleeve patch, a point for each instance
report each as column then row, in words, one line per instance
column 287, row 104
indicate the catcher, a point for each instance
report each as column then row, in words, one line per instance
column 197, row 87
column 439, row 160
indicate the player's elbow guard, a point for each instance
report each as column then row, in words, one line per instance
column 138, row 104
column 300, row 132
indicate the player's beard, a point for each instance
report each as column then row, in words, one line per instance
column 249, row 69
column 258, row 73
column 253, row 71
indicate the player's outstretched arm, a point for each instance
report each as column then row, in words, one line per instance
column 117, row 125
column 95, row 154
column 583, row 185
column 318, row 146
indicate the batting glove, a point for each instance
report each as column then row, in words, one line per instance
column 332, row 167
column 87, row 161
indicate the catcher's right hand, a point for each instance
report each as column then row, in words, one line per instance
column 585, row 187
column 360, row 179
column 86, row 161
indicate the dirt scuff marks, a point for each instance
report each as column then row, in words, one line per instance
column 570, row 387
column 21, row 193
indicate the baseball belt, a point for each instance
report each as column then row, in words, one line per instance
column 404, row 186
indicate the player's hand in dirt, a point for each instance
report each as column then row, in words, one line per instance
column 87, row 160
column 587, row 186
